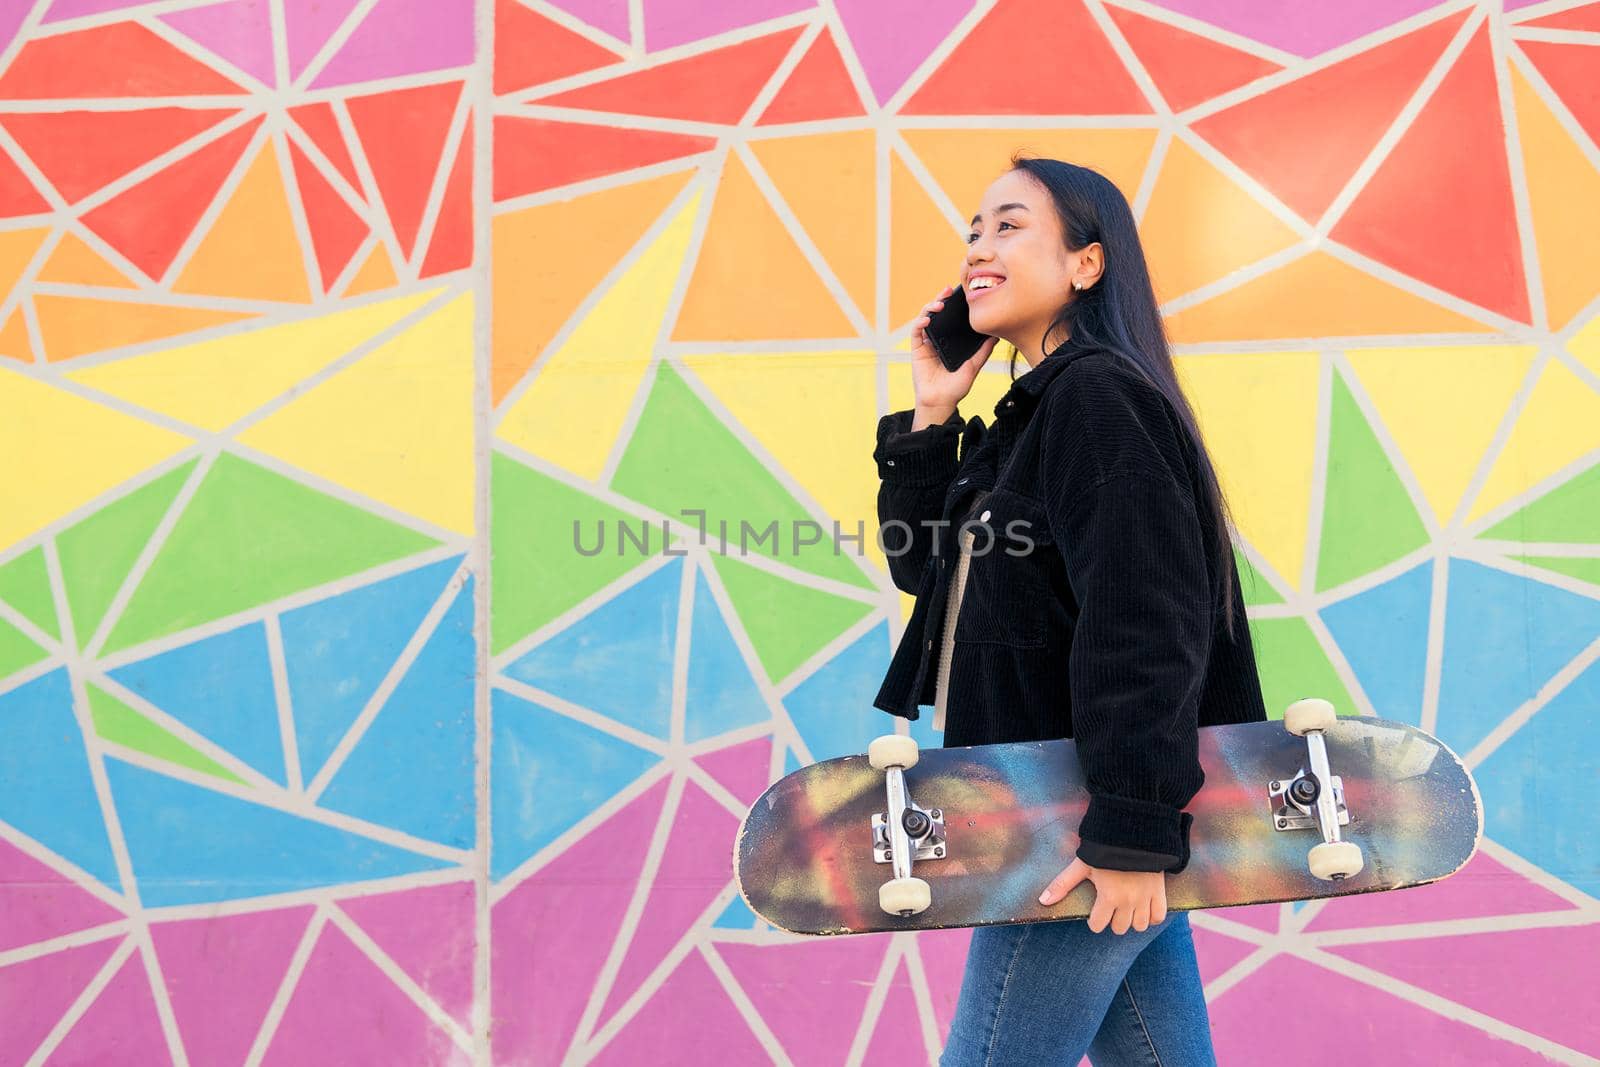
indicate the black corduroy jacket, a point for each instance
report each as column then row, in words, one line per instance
column 1091, row 614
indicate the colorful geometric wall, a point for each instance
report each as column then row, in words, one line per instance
column 326, row 320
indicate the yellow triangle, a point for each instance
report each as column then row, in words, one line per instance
column 74, row 263
column 375, row 274
column 397, row 425
column 1258, row 416
column 17, row 249
column 1200, row 226
column 251, row 252
column 827, row 181
column 1315, row 296
column 751, row 279
column 1585, row 344
column 573, row 409
column 63, row 451
column 1559, row 176
column 73, row 326
column 1560, row 423
column 992, row 383
column 212, row 384
column 14, row 341
column 926, row 252
column 1442, row 406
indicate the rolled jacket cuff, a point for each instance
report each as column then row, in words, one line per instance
column 1124, row 834
column 917, row 457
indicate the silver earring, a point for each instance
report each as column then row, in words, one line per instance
column 1077, row 285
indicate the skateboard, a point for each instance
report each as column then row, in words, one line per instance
column 1315, row 805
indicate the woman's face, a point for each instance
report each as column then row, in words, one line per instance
column 1017, row 236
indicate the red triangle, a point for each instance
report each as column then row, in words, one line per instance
column 17, row 194
column 82, row 151
column 336, row 230
column 1032, row 57
column 149, row 222
column 1586, row 18
column 120, row 60
column 403, row 133
column 1457, row 143
column 1306, row 138
column 819, row 87
column 1570, row 70
column 715, row 86
column 530, row 49
column 450, row 247
column 1188, row 69
column 535, row 154
column 322, row 128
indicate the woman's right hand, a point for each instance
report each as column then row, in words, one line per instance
column 939, row 390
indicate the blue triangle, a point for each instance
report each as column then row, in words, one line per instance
column 45, row 787
column 221, row 686
column 547, row 772
column 413, row 768
column 1505, row 635
column 791, row 761
column 190, row 845
column 737, row 915
column 833, row 708
column 721, row 695
column 1538, row 786
column 338, row 651
column 617, row 659
column 1383, row 633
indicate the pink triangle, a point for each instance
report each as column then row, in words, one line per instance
column 897, row 1036
column 344, row 1010
column 429, row 932
column 742, row 768
column 38, row 902
column 403, row 37
column 689, row 1020
column 893, row 37
column 698, row 865
column 1217, row 952
column 1344, row 1021
column 1526, row 977
column 239, row 31
column 1484, row 887
column 608, row 15
column 944, row 961
column 1257, row 916
column 37, row 992
column 120, row 1026
column 811, row 993
column 310, row 23
column 221, row 975
column 71, row 9
column 551, row 934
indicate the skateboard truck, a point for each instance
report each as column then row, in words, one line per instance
column 907, row 832
column 1315, row 800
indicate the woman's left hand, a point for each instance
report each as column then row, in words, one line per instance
column 1121, row 898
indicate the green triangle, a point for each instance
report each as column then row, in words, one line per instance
column 1368, row 518
column 538, row 523
column 787, row 623
column 1254, row 584
column 98, row 552
column 251, row 536
column 119, row 724
column 1583, row 568
column 681, row 456
column 1292, row 665
column 1566, row 514
column 17, row 650
column 25, row 585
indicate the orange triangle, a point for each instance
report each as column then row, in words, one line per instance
column 251, row 251
column 751, row 280
column 1304, row 139
column 74, row 263
column 375, row 274
column 819, row 87
column 926, row 252
column 14, row 342
column 1188, row 69
column 1457, row 143
column 17, row 249
column 1032, row 57
column 72, row 326
column 715, row 86
column 530, row 49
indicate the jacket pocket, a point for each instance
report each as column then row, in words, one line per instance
column 1006, row 599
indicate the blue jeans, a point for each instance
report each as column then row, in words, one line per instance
column 1047, row 992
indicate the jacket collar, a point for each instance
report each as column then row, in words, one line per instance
column 1026, row 391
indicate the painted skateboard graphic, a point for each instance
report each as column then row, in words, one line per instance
column 1315, row 805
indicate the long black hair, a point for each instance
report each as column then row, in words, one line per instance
column 1119, row 314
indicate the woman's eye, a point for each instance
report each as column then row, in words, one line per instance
column 973, row 236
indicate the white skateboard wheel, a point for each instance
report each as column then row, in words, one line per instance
column 904, row 896
column 1312, row 713
column 892, row 750
column 1335, row 859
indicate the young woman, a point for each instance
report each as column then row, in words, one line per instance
column 1121, row 624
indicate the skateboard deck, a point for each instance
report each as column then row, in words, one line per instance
column 988, row 826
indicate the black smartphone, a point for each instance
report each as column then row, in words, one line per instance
column 951, row 334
